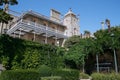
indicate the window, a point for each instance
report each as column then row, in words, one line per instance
column 44, row 24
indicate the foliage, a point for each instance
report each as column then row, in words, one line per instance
column 67, row 74
column 31, row 59
column 4, row 17
column 51, row 78
column 79, row 51
column 20, row 75
column 5, row 60
column 71, row 41
column 105, row 38
column 11, row 2
column 10, row 46
column 83, row 76
column 64, row 74
column 45, row 70
column 29, row 55
column 101, row 76
column 98, row 76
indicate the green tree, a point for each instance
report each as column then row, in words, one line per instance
column 4, row 18
column 6, row 3
column 71, row 41
column 79, row 52
column 109, row 43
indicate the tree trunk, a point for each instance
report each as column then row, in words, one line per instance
column 6, row 8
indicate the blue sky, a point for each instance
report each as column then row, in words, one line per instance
column 91, row 12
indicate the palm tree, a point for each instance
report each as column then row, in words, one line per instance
column 107, row 21
column 97, row 49
column 6, row 3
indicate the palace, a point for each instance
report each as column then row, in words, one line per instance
column 34, row 26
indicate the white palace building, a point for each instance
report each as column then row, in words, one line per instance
column 34, row 26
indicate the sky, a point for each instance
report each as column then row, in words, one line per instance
column 92, row 12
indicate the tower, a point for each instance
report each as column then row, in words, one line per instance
column 72, row 23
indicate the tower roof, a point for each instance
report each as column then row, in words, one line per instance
column 70, row 12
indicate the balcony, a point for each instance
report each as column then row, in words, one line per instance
column 24, row 26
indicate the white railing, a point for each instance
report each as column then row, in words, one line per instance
column 25, row 24
column 39, row 25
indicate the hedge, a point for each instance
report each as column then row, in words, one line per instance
column 48, row 74
column 20, row 75
column 51, row 78
column 108, row 76
column 83, row 76
column 45, row 71
column 67, row 74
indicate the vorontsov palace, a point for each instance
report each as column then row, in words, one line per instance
column 37, row 27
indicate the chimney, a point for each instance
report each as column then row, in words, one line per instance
column 55, row 15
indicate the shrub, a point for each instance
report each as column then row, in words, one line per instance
column 67, row 74
column 83, row 76
column 51, row 78
column 98, row 76
column 20, row 75
column 44, row 71
column 114, row 76
column 101, row 76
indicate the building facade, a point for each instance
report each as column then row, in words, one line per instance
column 37, row 27
column 72, row 23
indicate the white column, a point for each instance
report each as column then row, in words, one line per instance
column 14, row 34
column 46, row 36
column 97, row 62
column 20, row 33
column 56, row 38
column 102, row 24
column 115, row 60
column 34, row 38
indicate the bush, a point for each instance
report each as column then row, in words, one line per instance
column 67, row 74
column 51, row 78
column 83, row 76
column 20, row 75
column 101, row 76
column 98, row 76
column 44, row 71
column 113, row 76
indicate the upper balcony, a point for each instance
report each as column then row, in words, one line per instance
column 22, row 27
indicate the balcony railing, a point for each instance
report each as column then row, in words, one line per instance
column 37, row 28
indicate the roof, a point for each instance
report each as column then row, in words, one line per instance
column 41, row 16
column 70, row 12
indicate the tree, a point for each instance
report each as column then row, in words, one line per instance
column 96, row 49
column 6, row 3
column 107, row 21
column 109, row 43
column 4, row 18
column 78, row 52
column 71, row 41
